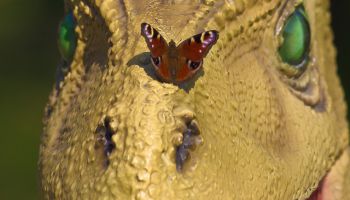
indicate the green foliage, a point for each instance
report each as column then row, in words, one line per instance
column 340, row 17
column 29, row 56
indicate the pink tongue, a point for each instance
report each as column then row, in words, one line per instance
column 317, row 194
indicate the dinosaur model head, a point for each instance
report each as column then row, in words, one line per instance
column 263, row 117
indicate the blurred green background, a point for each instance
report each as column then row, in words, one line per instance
column 28, row 60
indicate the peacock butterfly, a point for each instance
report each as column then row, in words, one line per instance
column 176, row 64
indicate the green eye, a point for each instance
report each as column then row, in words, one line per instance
column 67, row 40
column 295, row 47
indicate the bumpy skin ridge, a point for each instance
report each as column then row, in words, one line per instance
column 261, row 134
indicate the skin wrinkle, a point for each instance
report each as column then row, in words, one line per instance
column 259, row 136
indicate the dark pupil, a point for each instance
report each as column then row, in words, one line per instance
column 194, row 65
column 156, row 60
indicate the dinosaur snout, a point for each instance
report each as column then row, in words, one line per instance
column 147, row 136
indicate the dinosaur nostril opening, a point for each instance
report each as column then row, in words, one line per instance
column 109, row 144
column 191, row 139
column 104, row 141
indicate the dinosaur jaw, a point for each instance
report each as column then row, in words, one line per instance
column 331, row 186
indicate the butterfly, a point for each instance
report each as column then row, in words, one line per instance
column 177, row 64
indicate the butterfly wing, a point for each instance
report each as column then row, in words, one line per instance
column 158, row 48
column 191, row 53
column 155, row 42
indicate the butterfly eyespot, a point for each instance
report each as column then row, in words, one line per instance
column 156, row 61
column 193, row 65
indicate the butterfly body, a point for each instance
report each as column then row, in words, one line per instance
column 177, row 64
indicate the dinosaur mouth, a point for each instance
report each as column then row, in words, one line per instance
column 330, row 187
column 318, row 193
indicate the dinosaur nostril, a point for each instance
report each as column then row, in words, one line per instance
column 109, row 144
column 191, row 139
column 104, row 139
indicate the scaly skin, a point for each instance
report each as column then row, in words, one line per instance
column 261, row 135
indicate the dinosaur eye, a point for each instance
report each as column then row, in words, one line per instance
column 156, row 61
column 295, row 45
column 67, row 40
column 193, row 65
